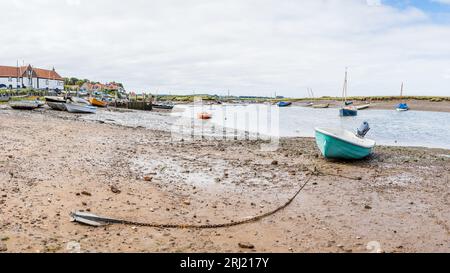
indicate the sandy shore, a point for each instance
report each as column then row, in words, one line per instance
column 54, row 164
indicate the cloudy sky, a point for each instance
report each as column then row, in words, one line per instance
column 252, row 47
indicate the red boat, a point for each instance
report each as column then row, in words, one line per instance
column 204, row 115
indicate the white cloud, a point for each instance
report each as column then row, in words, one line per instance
column 247, row 46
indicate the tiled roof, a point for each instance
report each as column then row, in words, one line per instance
column 11, row 71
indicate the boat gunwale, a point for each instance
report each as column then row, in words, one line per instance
column 366, row 146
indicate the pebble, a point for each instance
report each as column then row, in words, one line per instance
column 275, row 162
column 246, row 245
column 86, row 193
column 115, row 190
column 367, row 207
column 148, row 178
column 186, row 202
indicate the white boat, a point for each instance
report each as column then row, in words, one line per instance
column 80, row 108
column 362, row 107
column 80, row 100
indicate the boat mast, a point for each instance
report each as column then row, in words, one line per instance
column 401, row 91
column 344, row 91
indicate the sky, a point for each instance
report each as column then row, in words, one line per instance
column 246, row 47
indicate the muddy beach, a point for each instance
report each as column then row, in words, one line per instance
column 52, row 164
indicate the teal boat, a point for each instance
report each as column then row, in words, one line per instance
column 341, row 144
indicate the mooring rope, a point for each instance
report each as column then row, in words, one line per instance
column 99, row 221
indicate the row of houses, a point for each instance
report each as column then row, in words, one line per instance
column 99, row 87
column 30, row 77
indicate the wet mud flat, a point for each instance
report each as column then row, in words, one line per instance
column 52, row 164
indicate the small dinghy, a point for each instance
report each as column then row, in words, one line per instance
column 4, row 98
column 24, row 105
column 54, row 99
column 79, row 100
column 342, row 144
column 204, row 115
column 80, row 108
column 58, row 106
column 163, row 106
column 284, row 104
column 97, row 102
column 362, row 107
column 318, row 106
column 402, row 107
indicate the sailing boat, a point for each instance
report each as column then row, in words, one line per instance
column 402, row 106
column 348, row 110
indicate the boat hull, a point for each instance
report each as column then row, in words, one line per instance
column 161, row 106
column 80, row 109
column 284, row 104
column 24, row 105
column 334, row 148
column 98, row 103
column 348, row 112
column 58, row 106
column 55, row 99
column 321, row 106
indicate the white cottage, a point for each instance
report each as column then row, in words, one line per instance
column 30, row 77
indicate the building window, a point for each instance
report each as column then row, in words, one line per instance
column 10, row 79
column 46, row 82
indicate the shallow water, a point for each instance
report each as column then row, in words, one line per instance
column 388, row 127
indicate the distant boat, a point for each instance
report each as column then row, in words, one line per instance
column 55, row 99
column 342, row 144
column 163, row 106
column 98, row 103
column 362, row 107
column 80, row 100
column 204, row 115
column 402, row 107
column 80, row 108
column 284, row 103
column 58, row 106
column 24, row 105
column 348, row 110
column 4, row 98
column 325, row 105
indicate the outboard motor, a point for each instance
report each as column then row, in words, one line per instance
column 363, row 129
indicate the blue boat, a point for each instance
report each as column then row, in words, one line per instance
column 348, row 110
column 341, row 144
column 402, row 107
column 284, row 104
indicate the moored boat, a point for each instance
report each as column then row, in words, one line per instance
column 348, row 110
column 58, row 106
column 24, row 105
column 163, row 106
column 284, row 103
column 342, row 144
column 80, row 100
column 362, row 107
column 4, row 98
column 54, row 99
column 325, row 105
column 402, row 107
column 97, row 102
column 204, row 115
column 80, row 108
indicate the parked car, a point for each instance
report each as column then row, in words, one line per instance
column 2, row 86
